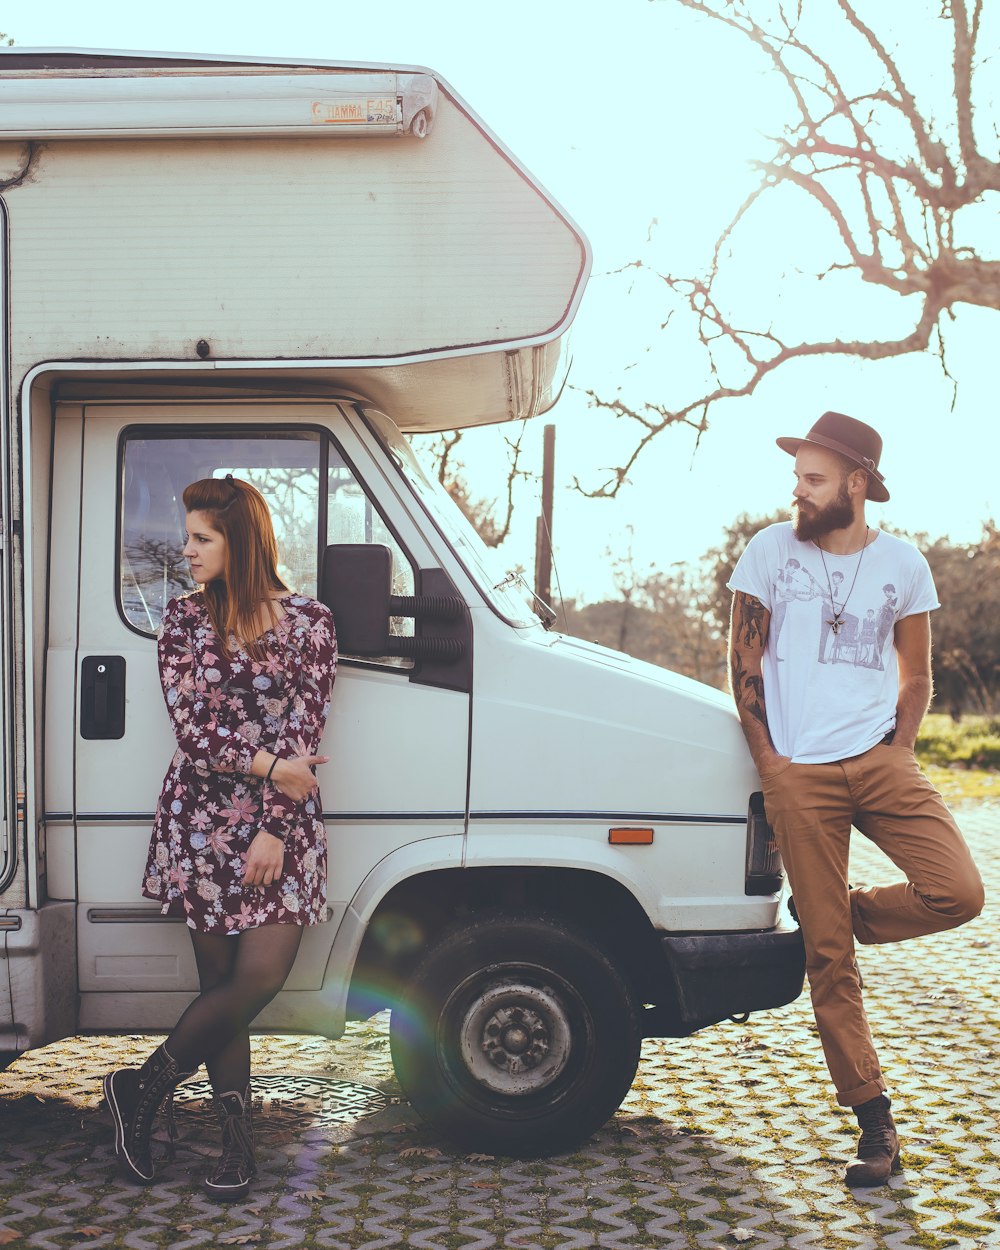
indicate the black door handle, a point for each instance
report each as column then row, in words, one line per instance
column 102, row 697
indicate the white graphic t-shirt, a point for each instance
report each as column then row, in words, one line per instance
column 831, row 693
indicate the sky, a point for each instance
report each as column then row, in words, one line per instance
column 640, row 119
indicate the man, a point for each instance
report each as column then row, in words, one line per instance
column 833, row 744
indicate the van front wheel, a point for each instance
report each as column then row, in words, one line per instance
column 518, row 1036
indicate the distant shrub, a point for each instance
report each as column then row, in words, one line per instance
column 972, row 742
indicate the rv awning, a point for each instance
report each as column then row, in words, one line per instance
column 332, row 104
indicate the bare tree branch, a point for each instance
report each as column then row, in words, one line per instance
column 449, row 440
column 903, row 100
column 964, row 46
column 481, row 512
column 892, row 195
column 655, row 419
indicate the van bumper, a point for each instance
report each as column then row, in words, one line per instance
column 717, row 975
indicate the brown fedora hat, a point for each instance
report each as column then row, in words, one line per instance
column 853, row 439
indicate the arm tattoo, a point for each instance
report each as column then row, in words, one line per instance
column 748, row 689
column 750, row 621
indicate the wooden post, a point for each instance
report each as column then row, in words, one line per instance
column 543, row 530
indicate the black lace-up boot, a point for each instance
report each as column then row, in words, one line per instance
column 134, row 1096
column 878, row 1149
column 236, row 1168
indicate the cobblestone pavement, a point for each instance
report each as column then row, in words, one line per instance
column 728, row 1138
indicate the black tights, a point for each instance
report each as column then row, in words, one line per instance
column 239, row 976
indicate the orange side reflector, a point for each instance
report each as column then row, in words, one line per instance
column 631, row 837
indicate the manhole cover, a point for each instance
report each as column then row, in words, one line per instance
column 287, row 1102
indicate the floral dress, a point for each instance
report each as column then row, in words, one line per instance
column 224, row 710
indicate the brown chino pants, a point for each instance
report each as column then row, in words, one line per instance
column 884, row 794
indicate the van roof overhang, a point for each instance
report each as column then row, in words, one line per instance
column 510, row 385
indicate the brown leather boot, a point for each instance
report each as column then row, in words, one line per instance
column 878, row 1149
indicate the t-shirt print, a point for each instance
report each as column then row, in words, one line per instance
column 849, row 631
column 829, row 666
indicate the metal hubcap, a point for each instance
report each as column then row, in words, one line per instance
column 515, row 1037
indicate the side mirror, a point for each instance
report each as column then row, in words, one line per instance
column 357, row 580
column 357, row 588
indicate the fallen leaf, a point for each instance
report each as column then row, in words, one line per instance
column 632, row 1132
column 484, row 1184
column 478, row 1158
column 742, row 1234
column 312, row 1195
column 242, row 1239
column 421, row 1178
column 7, row 1235
column 38, row 1098
column 429, row 1152
column 89, row 1230
column 185, row 1228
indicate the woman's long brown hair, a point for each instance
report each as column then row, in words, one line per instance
column 250, row 578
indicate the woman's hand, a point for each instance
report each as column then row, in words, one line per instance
column 264, row 859
column 294, row 777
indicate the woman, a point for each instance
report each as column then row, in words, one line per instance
column 238, row 845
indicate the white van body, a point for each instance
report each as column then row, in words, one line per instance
column 280, row 270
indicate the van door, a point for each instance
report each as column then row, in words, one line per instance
column 399, row 750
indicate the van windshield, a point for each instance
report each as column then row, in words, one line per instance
column 507, row 591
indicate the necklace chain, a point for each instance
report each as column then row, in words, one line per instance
column 837, row 624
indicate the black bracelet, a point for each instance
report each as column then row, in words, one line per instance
column 267, row 775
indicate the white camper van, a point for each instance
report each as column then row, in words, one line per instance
column 541, row 850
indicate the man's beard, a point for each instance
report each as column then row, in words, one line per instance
column 810, row 522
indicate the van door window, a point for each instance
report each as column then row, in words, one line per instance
column 314, row 496
column 156, row 469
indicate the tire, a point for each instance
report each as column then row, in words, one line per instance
column 518, row 1036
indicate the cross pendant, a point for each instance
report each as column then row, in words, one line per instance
column 834, row 625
